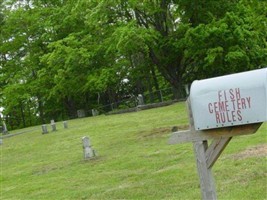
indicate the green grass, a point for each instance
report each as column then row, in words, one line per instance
column 134, row 161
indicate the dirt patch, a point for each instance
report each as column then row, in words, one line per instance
column 157, row 132
column 256, row 151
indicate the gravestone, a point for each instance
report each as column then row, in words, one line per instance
column 65, row 124
column 140, row 100
column 81, row 113
column 44, row 129
column 95, row 112
column 5, row 131
column 87, row 148
column 53, row 126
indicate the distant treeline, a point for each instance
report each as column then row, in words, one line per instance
column 58, row 56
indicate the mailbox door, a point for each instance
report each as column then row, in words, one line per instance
column 230, row 100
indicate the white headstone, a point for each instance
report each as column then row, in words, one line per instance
column 140, row 99
column 87, row 149
column 5, row 131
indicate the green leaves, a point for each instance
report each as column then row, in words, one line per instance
column 81, row 52
column 230, row 44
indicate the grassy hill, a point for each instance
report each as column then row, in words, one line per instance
column 134, row 161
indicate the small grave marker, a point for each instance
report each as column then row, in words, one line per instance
column 65, row 124
column 81, row 113
column 140, row 100
column 95, row 112
column 54, row 127
column 5, row 131
column 44, row 129
column 87, row 148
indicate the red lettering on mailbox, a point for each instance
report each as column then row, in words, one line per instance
column 229, row 111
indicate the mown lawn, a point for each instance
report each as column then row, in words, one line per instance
column 134, row 161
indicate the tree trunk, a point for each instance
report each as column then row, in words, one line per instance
column 41, row 109
column 22, row 115
column 155, row 80
column 70, row 107
column 171, row 71
column 150, row 90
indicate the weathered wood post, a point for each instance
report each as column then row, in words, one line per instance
column 207, row 183
column 65, row 124
column 87, row 148
column 44, row 129
column 218, row 109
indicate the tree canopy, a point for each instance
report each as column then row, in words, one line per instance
column 57, row 56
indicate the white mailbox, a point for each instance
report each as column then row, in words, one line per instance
column 230, row 100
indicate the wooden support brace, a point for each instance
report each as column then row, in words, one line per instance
column 215, row 149
column 193, row 135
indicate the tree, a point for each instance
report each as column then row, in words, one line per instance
column 58, row 56
column 234, row 43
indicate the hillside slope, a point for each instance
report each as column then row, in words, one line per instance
column 134, row 161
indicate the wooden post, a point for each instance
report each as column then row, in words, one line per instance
column 207, row 184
